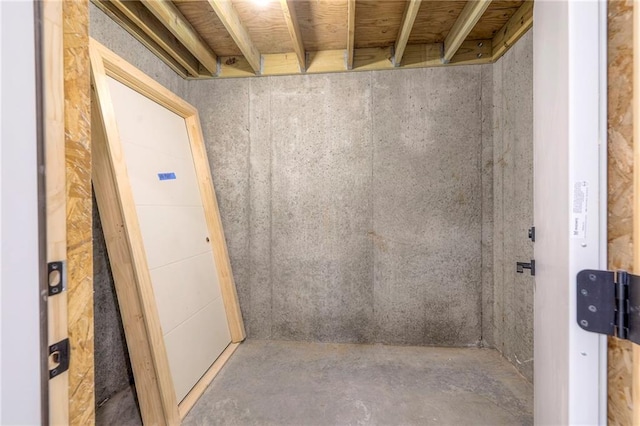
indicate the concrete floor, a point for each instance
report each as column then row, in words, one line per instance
column 295, row 383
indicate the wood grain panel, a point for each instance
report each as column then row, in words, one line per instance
column 56, row 214
column 434, row 21
column 323, row 24
column 205, row 21
column 266, row 25
column 77, row 93
column 620, row 192
column 378, row 22
column 494, row 18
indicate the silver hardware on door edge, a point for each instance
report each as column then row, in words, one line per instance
column 609, row 303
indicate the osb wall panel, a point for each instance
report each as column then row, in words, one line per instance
column 79, row 220
column 620, row 181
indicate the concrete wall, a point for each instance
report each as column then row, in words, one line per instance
column 352, row 203
column 513, row 204
column 361, row 207
column 112, row 368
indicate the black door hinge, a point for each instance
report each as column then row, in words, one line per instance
column 609, row 303
column 59, row 358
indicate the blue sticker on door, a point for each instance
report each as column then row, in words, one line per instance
column 167, row 176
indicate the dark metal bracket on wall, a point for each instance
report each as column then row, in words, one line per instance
column 609, row 303
column 531, row 266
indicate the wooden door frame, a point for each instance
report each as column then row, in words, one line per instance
column 52, row 86
column 156, row 392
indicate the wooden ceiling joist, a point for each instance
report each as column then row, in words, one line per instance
column 231, row 21
column 351, row 31
column 172, row 19
column 410, row 13
column 142, row 18
column 121, row 19
column 269, row 41
column 467, row 19
column 291, row 19
column 364, row 59
column 515, row 27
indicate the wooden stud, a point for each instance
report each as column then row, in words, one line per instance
column 620, row 195
column 351, row 31
column 169, row 15
column 291, row 19
column 365, row 59
column 149, row 24
column 231, row 21
column 121, row 19
column 515, row 28
column 56, row 214
column 635, row 384
column 79, row 206
column 410, row 13
column 467, row 19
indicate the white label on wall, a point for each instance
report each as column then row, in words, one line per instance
column 579, row 209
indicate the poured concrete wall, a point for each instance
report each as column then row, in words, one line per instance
column 361, row 207
column 112, row 368
column 513, row 204
column 353, row 203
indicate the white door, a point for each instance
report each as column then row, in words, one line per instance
column 21, row 377
column 163, row 180
column 569, row 196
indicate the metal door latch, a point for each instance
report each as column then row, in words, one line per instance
column 57, row 277
column 521, row 266
column 59, row 358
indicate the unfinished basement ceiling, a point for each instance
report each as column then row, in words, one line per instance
column 242, row 38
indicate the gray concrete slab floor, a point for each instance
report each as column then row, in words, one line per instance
column 299, row 383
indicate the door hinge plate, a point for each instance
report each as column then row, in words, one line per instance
column 609, row 303
column 59, row 357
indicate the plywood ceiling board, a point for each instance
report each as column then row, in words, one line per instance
column 494, row 18
column 206, row 22
column 378, row 22
column 323, row 24
column 434, row 20
column 265, row 24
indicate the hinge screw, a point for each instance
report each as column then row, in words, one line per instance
column 480, row 44
column 592, row 308
column 584, row 292
column 584, row 323
column 592, row 277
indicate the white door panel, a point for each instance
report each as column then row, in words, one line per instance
column 174, row 231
